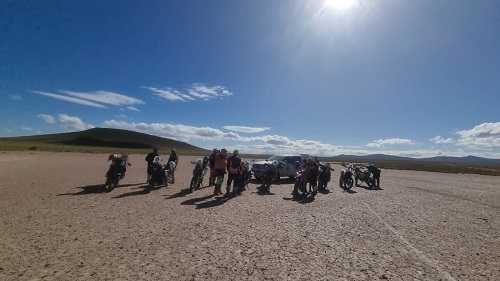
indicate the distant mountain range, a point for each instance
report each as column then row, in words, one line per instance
column 438, row 159
column 105, row 139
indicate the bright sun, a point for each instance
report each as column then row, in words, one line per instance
column 340, row 5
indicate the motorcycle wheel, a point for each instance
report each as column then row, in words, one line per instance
column 193, row 184
column 298, row 189
column 349, row 182
column 167, row 181
column 152, row 182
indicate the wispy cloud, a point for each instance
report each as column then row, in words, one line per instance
column 486, row 135
column 131, row 108
column 16, row 97
column 70, row 99
column 245, row 129
column 193, row 92
column 26, row 129
column 104, row 97
column 71, row 123
column 47, row 118
column 440, row 140
column 393, row 141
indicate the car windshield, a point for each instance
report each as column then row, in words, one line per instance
column 276, row 157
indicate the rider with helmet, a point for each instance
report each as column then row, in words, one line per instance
column 220, row 170
column 234, row 164
column 211, row 164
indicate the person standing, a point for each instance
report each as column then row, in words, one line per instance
column 149, row 158
column 233, row 176
column 220, row 170
column 211, row 164
column 174, row 158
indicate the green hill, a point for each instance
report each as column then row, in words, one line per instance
column 99, row 140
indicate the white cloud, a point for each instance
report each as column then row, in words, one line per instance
column 440, row 140
column 193, row 92
column 486, row 135
column 245, row 129
column 73, row 123
column 131, row 108
column 69, row 99
column 168, row 94
column 104, row 97
column 393, row 141
column 16, row 97
column 47, row 118
column 26, row 129
column 171, row 131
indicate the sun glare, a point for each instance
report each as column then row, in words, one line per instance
column 339, row 5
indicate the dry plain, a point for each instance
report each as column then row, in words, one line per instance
column 56, row 223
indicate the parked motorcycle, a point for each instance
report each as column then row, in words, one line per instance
column 325, row 174
column 272, row 172
column 363, row 176
column 346, row 181
column 199, row 171
column 245, row 176
column 301, row 186
column 169, row 170
column 157, row 173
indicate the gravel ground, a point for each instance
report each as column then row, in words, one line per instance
column 58, row 224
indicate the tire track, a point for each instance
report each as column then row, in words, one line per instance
column 410, row 246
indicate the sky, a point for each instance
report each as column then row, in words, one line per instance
column 319, row 77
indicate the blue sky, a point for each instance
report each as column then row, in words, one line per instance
column 323, row 77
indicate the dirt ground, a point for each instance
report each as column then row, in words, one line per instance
column 56, row 223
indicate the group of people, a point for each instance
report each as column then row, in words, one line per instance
column 150, row 158
column 235, row 168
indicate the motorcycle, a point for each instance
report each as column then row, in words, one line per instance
column 363, row 176
column 346, row 181
column 199, row 171
column 116, row 171
column 169, row 170
column 301, row 187
column 157, row 173
column 245, row 176
column 324, row 177
column 272, row 172
column 113, row 177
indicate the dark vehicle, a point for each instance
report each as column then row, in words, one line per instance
column 325, row 175
column 363, row 176
column 346, row 180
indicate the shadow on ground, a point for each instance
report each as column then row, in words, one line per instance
column 93, row 189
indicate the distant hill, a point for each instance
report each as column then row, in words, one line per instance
column 438, row 159
column 100, row 140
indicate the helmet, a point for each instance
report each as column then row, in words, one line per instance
column 296, row 165
column 223, row 150
column 112, row 156
column 215, row 150
column 236, row 152
column 275, row 162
